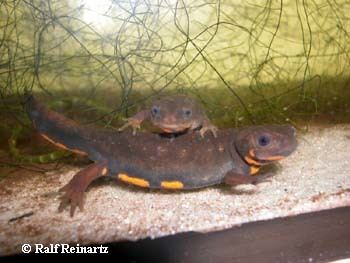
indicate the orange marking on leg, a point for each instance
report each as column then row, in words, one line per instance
column 172, row 185
column 60, row 145
column 133, row 180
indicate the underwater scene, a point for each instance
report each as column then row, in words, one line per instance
column 126, row 121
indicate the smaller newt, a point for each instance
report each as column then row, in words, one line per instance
column 173, row 114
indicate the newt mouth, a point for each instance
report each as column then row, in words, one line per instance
column 171, row 128
column 258, row 162
column 255, row 158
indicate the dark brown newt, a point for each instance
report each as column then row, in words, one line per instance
column 149, row 160
column 173, row 114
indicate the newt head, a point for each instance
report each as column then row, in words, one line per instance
column 175, row 114
column 261, row 145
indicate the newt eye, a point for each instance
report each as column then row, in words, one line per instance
column 155, row 111
column 264, row 140
column 187, row 113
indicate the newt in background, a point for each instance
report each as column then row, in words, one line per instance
column 149, row 160
column 173, row 114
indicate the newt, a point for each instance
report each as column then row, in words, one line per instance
column 151, row 161
column 173, row 114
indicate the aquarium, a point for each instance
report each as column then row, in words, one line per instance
column 132, row 120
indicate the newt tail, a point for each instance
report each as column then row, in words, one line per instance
column 55, row 128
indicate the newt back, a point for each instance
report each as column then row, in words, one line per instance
column 161, row 162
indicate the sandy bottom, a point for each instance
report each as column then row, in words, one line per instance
column 315, row 177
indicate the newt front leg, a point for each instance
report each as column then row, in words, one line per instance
column 135, row 121
column 74, row 190
column 207, row 126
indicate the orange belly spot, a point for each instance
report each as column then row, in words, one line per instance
column 60, row 145
column 254, row 169
column 172, row 185
column 133, row 180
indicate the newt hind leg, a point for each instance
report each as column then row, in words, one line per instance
column 74, row 190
